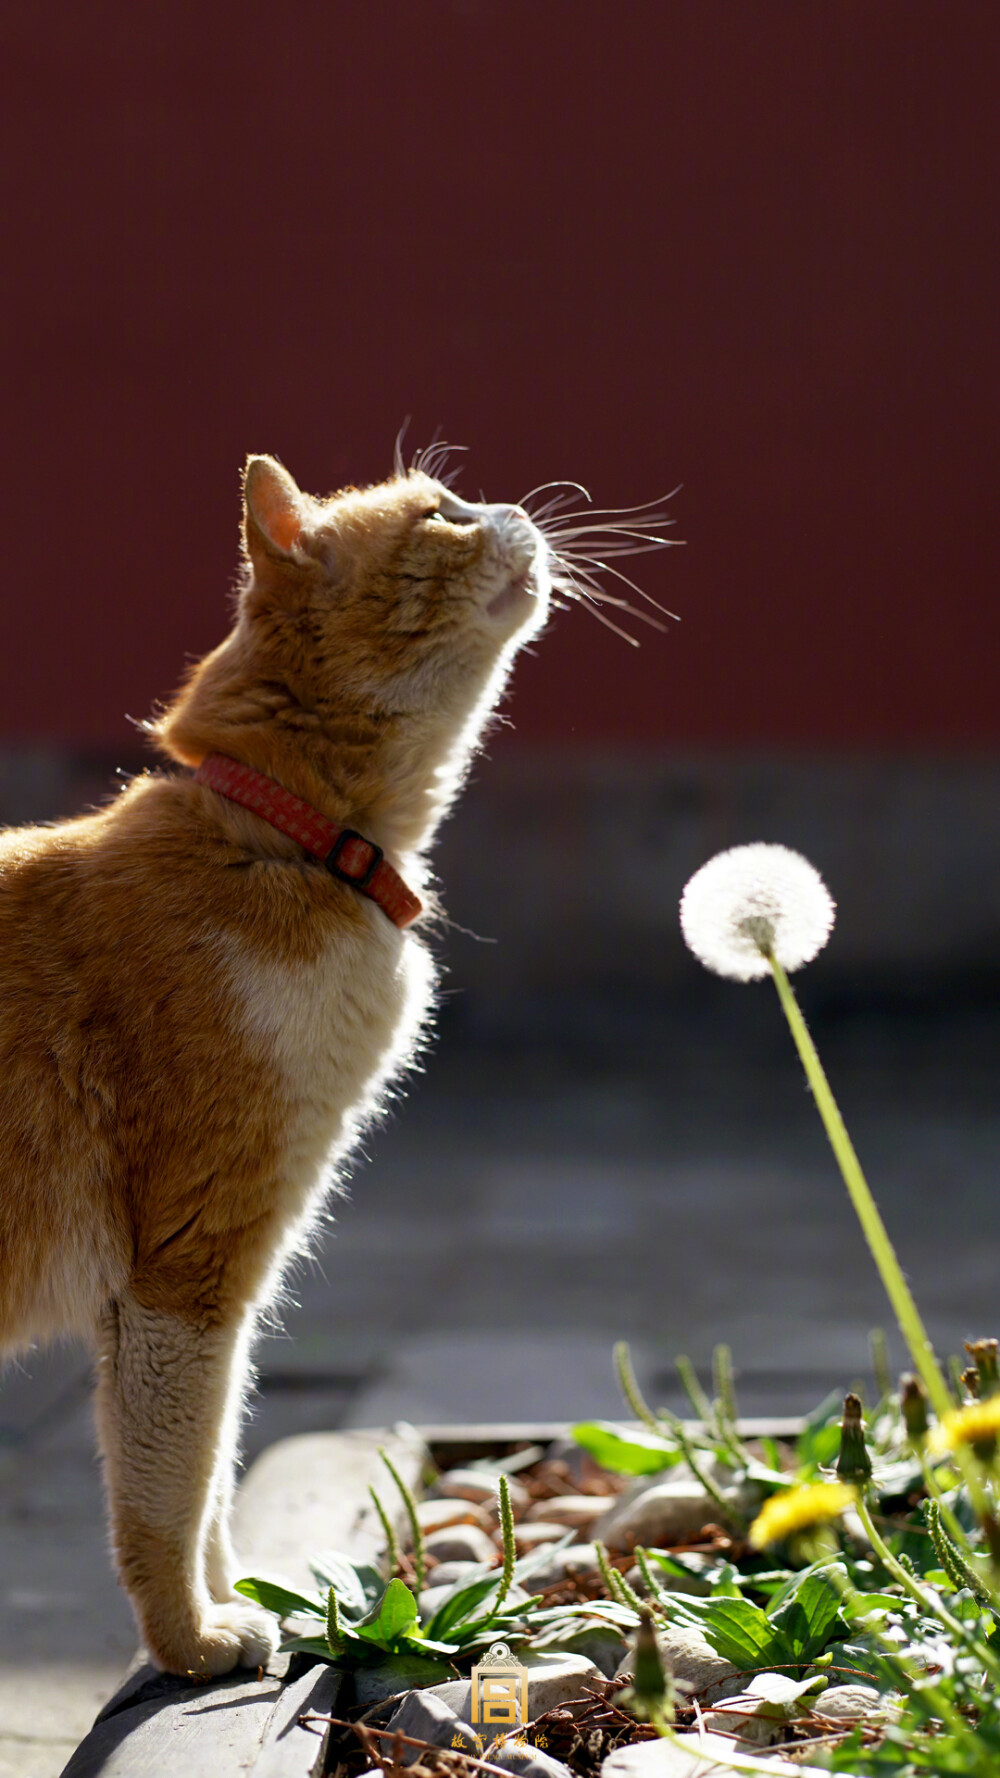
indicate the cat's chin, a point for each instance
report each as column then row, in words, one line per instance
column 519, row 594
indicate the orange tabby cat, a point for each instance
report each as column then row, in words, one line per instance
column 197, row 1016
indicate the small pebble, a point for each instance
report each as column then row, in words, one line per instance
column 528, row 1536
column 577, row 1512
column 447, row 1573
column 480, row 1486
column 854, row 1701
column 579, row 1558
column 432, row 1515
column 659, row 1513
column 461, row 1543
column 694, row 1661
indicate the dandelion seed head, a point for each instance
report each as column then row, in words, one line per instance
column 798, row 1509
column 755, row 900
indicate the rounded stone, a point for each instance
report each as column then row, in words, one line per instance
column 480, row 1486
column 579, row 1558
column 427, row 1718
column 693, row 1661
column 661, row 1513
column 552, row 1679
column 447, row 1573
column 849, row 1701
column 435, row 1515
column 461, row 1543
column 530, row 1536
column 575, row 1512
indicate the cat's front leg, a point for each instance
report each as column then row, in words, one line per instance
column 222, row 1566
column 164, row 1387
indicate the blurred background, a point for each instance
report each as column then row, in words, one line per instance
column 746, row 253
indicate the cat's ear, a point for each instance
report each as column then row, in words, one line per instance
column 275, row 511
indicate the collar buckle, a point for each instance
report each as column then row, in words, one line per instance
column 346, row 876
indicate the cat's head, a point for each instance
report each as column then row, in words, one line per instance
column 373, row 635
column 399, row 592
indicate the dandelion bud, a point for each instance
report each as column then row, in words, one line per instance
column 753, row 903
column 984, row 1354
column 913, row 1401
column 854, row 1463
column 970, row 1380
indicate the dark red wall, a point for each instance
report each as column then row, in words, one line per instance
column 749, row 247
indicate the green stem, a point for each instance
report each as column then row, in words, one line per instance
column 882, row 1251
column 934, row 1491
column 927, row 1600
column 419, row 1560
column 693, row 1390
column 388, row 1532
column 928, row 1698
column 701, row 1476
column 629, row 1387
column 871, row 1222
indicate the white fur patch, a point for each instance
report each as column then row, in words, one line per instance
column 336, row 1030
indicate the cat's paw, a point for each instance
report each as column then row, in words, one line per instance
column 228, row 1636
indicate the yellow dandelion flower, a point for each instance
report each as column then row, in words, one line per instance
column 976, row 1425
column 797, row 1509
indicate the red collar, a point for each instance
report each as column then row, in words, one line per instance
column 346, row 854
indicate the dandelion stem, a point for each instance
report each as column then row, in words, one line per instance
column 876, row 1234
column 871, row 1222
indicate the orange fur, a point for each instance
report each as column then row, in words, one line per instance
column 197, row 1018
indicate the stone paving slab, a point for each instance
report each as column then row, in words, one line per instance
column 305, row 1495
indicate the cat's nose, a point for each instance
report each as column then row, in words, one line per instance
column 512, row 520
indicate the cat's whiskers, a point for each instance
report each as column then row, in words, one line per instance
column 583, row 544
column 589, row 564
column 580, row 586
column 431, row 461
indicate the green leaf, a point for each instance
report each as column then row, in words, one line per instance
column 420, row 1644
column 459, row 1608
column 809, row 1619
column 281, row 1600
column 740, row 1632
column 630, row 1452
column 864, row 1605
column 727, row 1583
column 393, row 1615
column 308, row 1645
column 356, row 1584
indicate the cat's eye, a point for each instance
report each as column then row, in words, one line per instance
column 463, row 516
